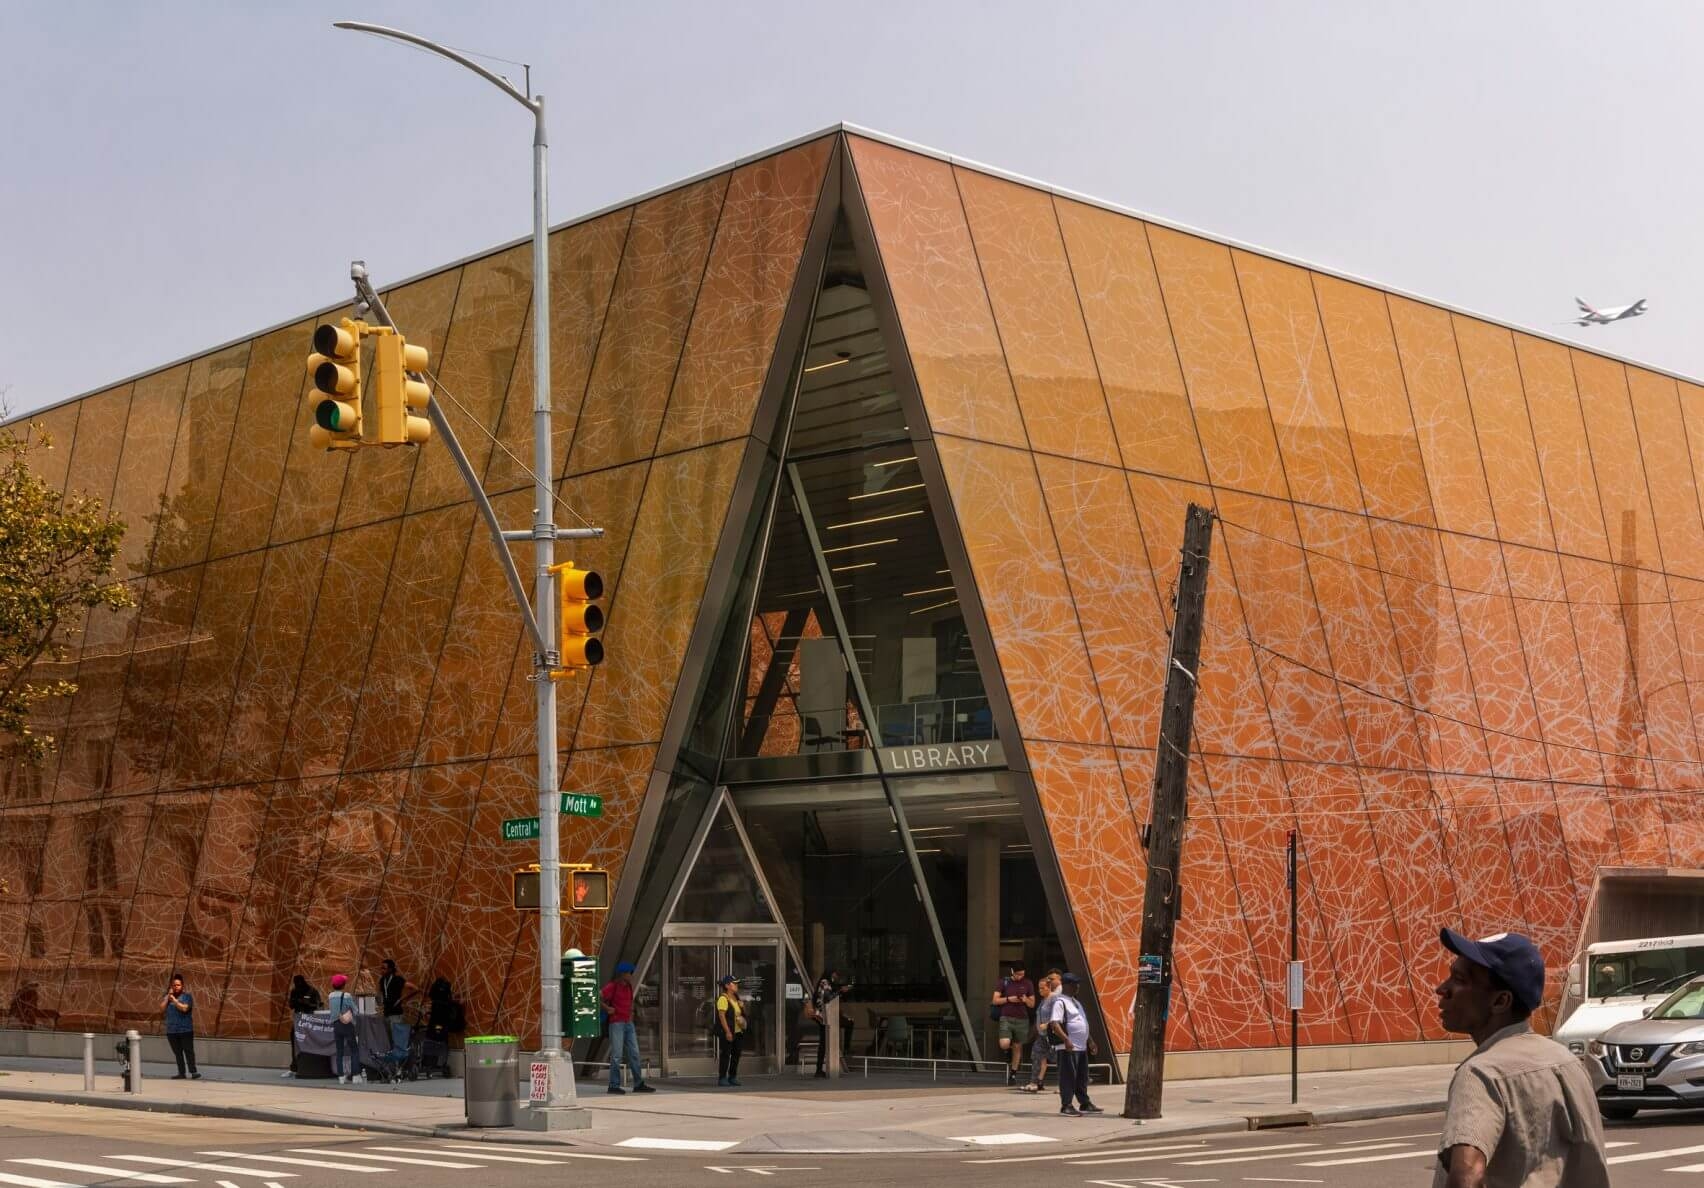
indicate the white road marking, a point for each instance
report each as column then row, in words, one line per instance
column 1622, row 1143
column 667, row 1144
column 757, row 1169
column 1277, row 1180
column 1293, row 1150
column 1370, row 1159
column 381, row 1158
column 225, row 1168
column 1149, row 1183
column 1003, row 1140
column 482, row 1155
column 114, row 1173
column 1080, row 1161
column 28, row 1182
column 1388, row 1138
column 1643, row 1156
column 551, row 1151
column 1075, row 1155
column 326, row 1163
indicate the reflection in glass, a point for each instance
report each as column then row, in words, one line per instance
column 863, row 499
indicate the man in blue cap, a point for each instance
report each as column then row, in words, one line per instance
column 623, row 1038
column 1521, row 1110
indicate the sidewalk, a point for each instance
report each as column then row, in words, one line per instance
column 781, row 1113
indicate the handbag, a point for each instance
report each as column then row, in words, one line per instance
column 809, row 1012
column 994, row 1015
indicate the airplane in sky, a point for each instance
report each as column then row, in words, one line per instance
column 1602, row 317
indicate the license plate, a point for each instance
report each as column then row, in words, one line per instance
column 1630, row 1082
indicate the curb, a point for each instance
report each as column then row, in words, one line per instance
column 1290, row 1118
column 199, row 1109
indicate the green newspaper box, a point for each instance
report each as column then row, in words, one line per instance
column 581, row 1006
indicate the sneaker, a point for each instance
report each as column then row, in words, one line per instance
column 617, row 1089
column 721, row 1081
column 823, row 1075
column 733, row 1082
column 286, row 1074
column 179, row 1077
column 195, row 1076
column 1011, row 1078
column 644, row 1087
column 1071, row 1112
column 1091, row 1108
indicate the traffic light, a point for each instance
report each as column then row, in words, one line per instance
column 396, row 394
column 588, row 890
column 523, row 886
column 582, row 618
column 335, row 367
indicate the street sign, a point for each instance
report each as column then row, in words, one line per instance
column 520, row 829
column 582, row 804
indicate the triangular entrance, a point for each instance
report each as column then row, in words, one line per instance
column 724, row 886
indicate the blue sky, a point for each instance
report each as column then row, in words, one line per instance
column 180, row 174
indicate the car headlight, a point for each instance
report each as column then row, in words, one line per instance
column 1695, row 1048
column 1595, row 1047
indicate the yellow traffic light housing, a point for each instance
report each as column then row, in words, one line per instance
column 397, row 395
column 335, row 368
column 578, row 591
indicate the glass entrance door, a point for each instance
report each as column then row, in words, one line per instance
column 694, row 959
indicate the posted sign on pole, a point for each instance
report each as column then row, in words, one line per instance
column 581, row 804
column 520, row 829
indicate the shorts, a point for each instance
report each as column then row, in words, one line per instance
column 1016, row 1030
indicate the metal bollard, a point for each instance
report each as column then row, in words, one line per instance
column 135, row 1040
column 832, row 1037
column 88, row 1062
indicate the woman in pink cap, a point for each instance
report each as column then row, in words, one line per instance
column 342, row 1004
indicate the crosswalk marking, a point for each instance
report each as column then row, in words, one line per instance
column 554, row 1153
column 325, row 1163
column 222, row 1168
column 1371, row 1158
column 1152, row 1154
column 1003, row 1140
column 668, row 1144
column 112, row 1173
column 99, row 1170
column 482, row 1155
column 31, row 1182
column 1291, row 1150
column 384, row 1158
column 1076, row 1155
column 1643, row 1156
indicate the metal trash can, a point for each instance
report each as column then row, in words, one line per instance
column 490, row 1088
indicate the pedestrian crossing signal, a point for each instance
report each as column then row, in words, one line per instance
column 588, row 890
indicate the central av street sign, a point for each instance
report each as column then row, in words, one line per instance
column 520, row 829
column 582, row 804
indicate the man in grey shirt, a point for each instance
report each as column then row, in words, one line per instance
column 1521, row 1111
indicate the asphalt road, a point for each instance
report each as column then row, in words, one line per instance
column 43, row 1146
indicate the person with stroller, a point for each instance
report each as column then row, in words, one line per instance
column 343, row 1009
column 445, row 1017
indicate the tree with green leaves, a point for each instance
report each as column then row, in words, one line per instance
column 56, row 568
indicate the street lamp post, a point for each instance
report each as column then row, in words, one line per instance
column 559, row 1109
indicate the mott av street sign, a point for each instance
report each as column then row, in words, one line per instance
column 574, row 804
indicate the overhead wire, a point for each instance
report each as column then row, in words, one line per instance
column 495, row 440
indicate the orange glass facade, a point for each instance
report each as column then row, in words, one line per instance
column 1452, row 628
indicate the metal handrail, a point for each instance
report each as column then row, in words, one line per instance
column 907, row 1063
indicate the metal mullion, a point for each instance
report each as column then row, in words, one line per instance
column 894, row 805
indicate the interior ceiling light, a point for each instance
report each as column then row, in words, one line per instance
column 905, row 515
column 925, row 609
column 858, row 565
column 896, row 461
column 886, row 491
column 840, row 362
column 931, row 590
column 863, row 544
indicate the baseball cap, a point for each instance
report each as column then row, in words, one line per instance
column 726, row 978
column 1070, row 978
column 624, row 967
column 1512, row 957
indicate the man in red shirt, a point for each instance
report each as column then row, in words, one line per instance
column 623, row 1038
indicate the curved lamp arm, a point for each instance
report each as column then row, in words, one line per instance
column 533, row 105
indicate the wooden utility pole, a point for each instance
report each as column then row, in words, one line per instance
column 1165, row 824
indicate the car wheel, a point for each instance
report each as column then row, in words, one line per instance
column 1617, row 1113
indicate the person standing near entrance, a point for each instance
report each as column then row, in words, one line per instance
column 623, row 1036
column 1070, row 1028
column 1014, row 997
column 730, row 1031
column 343, row 1011
column 179, row 1008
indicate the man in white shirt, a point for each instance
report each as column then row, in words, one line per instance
column 1069, row 1027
